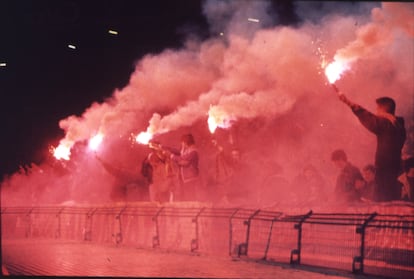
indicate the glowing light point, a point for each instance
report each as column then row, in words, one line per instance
column 221, row 34
column 95, row 141
column 62, row 152
column 253, row 19
column 217, row 117
column 112, row 32
column 334, row 70
column 71, row 46
column 3, row 64
column 144, row 137
column 212, row 124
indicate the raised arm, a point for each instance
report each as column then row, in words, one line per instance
column 367, row 118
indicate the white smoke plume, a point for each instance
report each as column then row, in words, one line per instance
column 266, row 80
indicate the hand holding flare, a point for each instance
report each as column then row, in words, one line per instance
column 342, row 97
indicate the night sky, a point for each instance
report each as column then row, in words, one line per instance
column 45, row 81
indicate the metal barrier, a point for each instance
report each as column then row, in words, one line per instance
column 364, row 243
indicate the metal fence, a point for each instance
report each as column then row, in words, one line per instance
column 364, row 243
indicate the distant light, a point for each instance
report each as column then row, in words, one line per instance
column 253, row 19
column 113, row 32
column 72, row 46
column 3, row 64
column 221, row 34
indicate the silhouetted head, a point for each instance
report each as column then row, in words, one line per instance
column 339, row 158
column 385, row 104
column 187, row 139
column 368, row 172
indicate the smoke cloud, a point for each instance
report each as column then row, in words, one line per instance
column 263, row 78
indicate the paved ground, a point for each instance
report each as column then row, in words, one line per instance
column 58, row 258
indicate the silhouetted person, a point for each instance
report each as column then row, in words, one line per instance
column 158, row 171
column 391, row 134
column 367, row 188
column 187, row 161
column 407, row 179
column 345, row 190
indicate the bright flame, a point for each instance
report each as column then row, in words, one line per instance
column 62, row 151
column 95, row 141
column 212, row 124
column 144, row 137
column 334, row 70
column 218, row 118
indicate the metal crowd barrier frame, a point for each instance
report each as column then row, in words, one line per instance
column 362, row 243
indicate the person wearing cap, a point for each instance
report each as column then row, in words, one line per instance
column 390, row 132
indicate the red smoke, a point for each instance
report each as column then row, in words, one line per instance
column 268, row 82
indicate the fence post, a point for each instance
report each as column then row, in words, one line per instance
column 88, row 225
column 194, row 242
column 297, row 251
column 118, row 235
column 59, row 229
column 270, row 237
column 156, row 237
column 29, row 228
column 244, row 247
column 360, row 259
column 231, row 229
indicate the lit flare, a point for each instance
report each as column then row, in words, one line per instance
column 62, row 151
column 218, row 118
column 96, row 141
column 144, row 137
column 335, row 69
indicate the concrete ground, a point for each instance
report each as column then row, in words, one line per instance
column 68, row 258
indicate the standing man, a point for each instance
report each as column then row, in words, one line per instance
column 390, row 132
column 188, row 164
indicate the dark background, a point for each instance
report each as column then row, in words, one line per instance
column 45, row 81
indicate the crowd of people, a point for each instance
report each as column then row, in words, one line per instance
column 173, row 174
column 389, row 178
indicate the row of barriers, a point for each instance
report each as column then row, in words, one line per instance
column 364, row 243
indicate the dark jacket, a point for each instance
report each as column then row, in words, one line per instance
column 345, row 183
column 390, row 137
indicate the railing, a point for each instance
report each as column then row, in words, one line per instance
column 364, row 243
